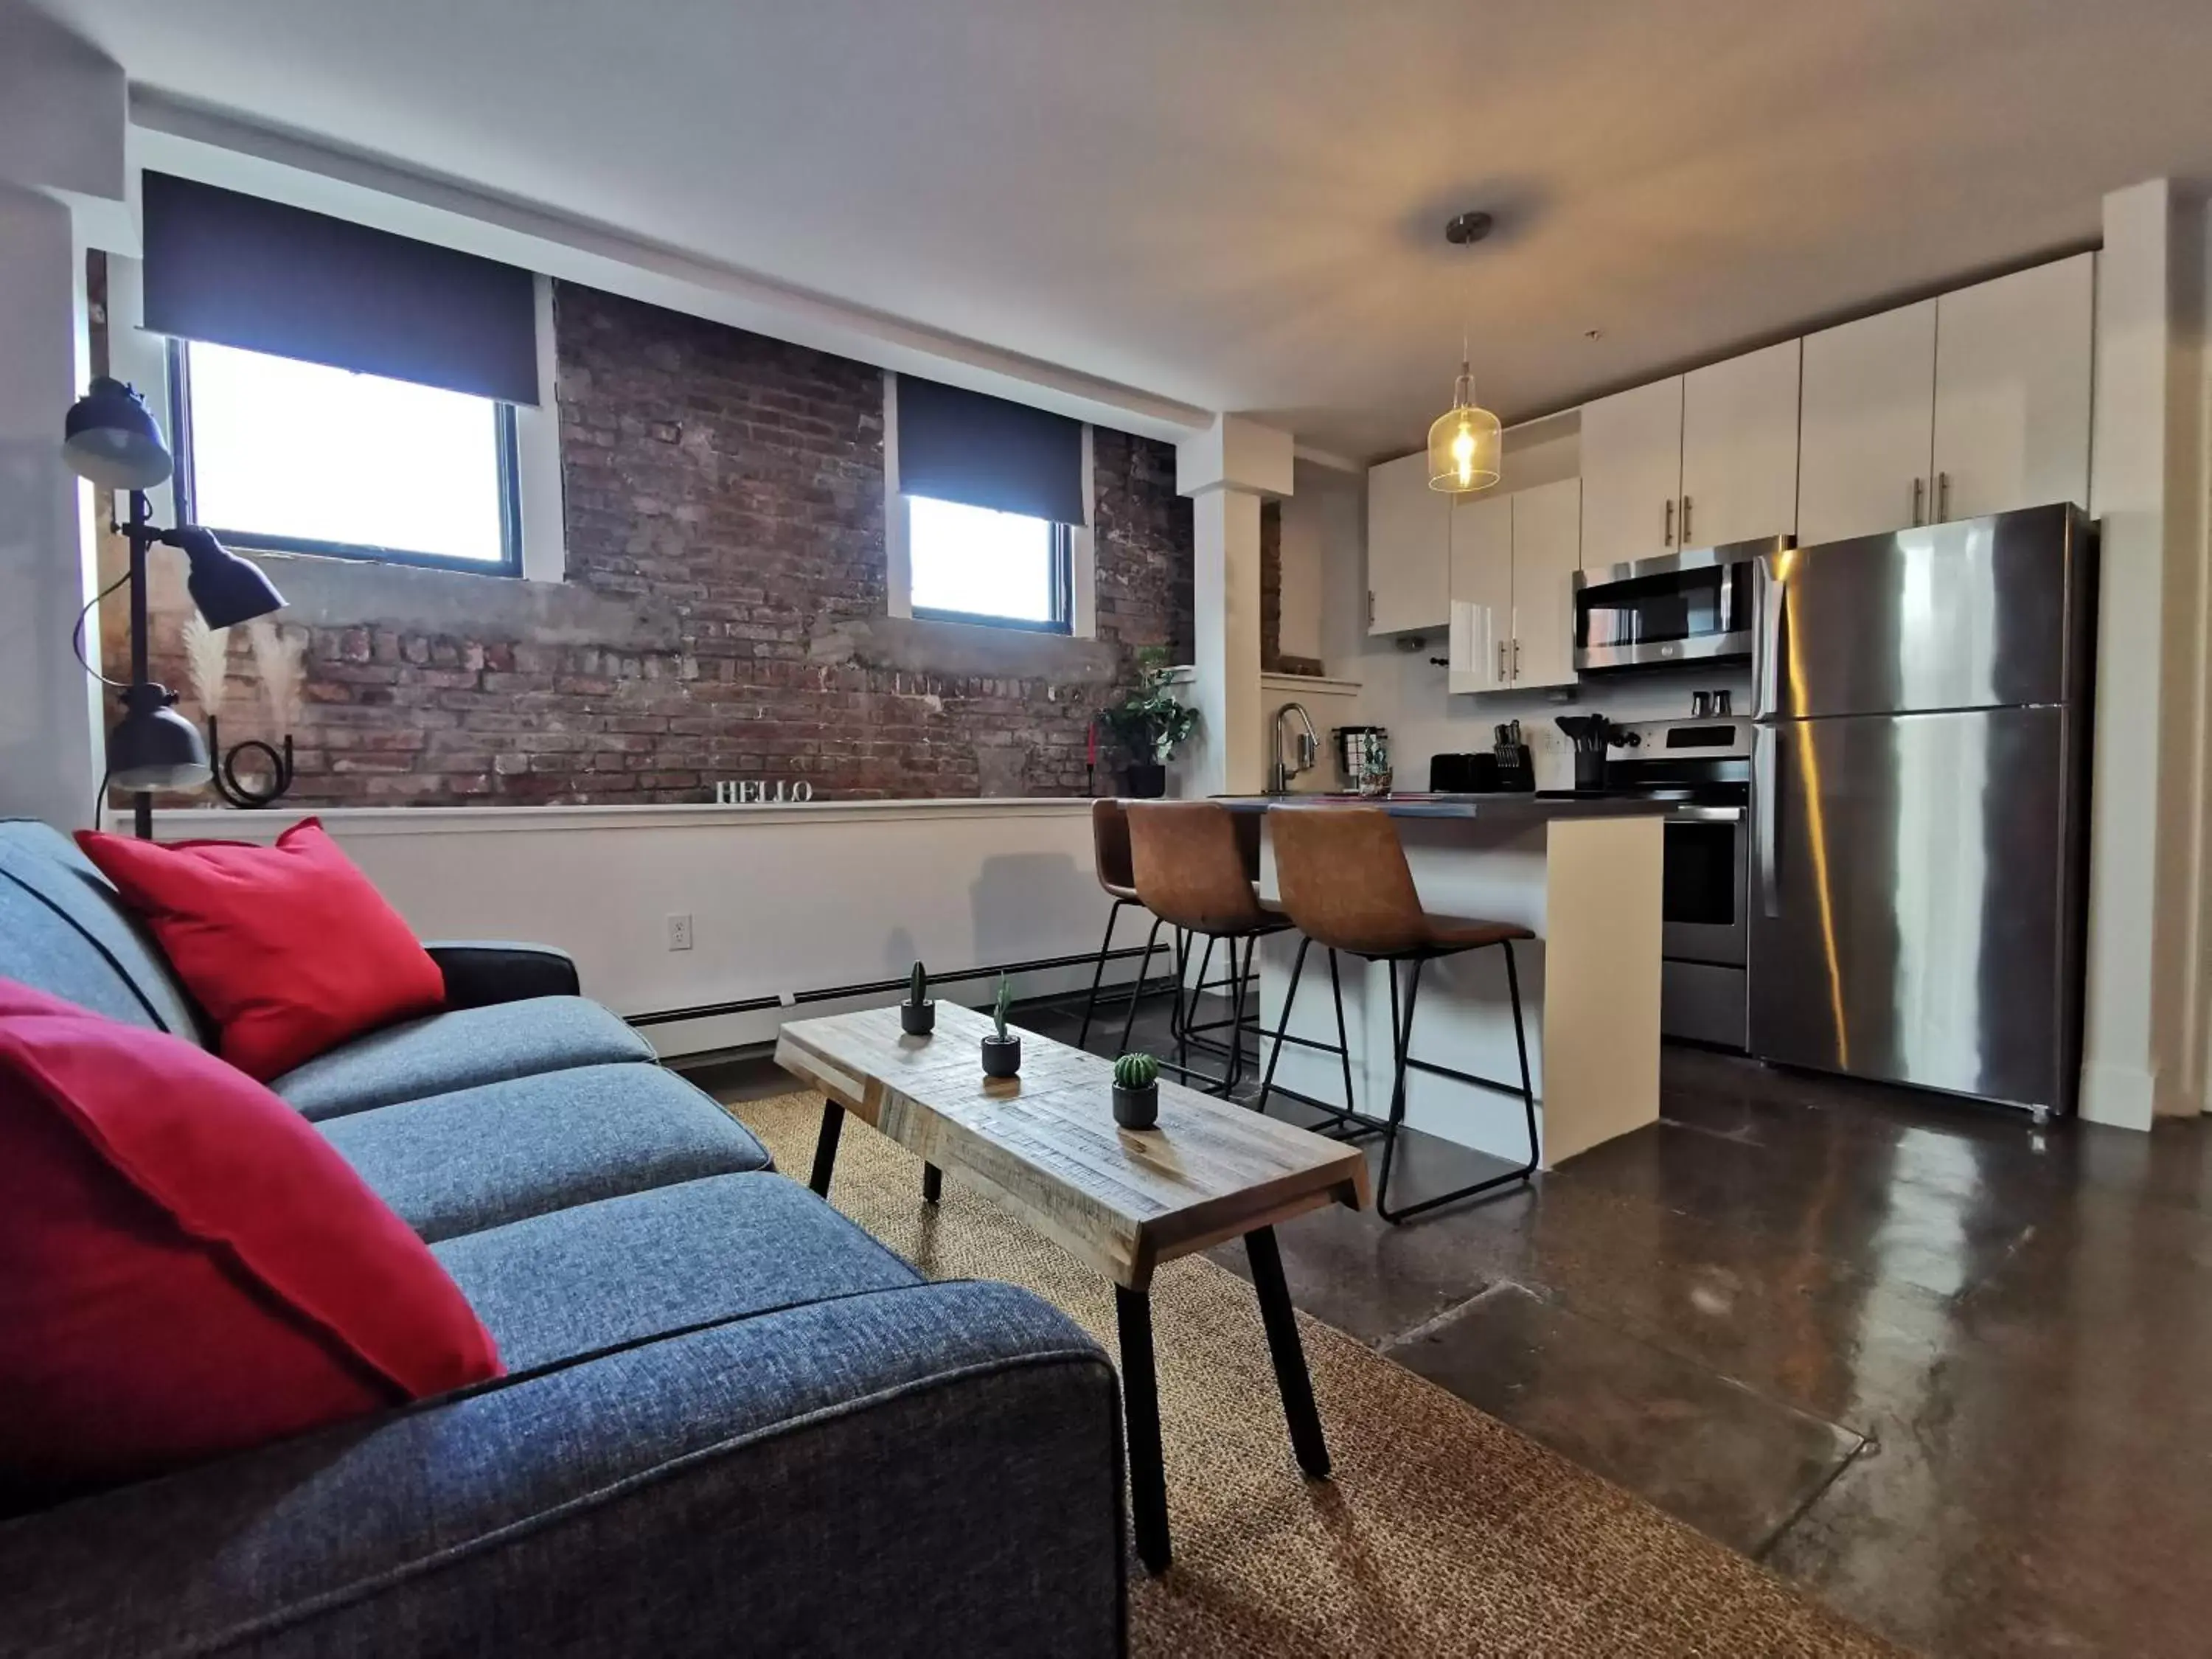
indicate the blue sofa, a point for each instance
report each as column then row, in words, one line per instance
column 733, row 1422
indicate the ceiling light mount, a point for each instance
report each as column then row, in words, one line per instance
column 1463, row 228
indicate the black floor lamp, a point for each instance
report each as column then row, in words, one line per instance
column 112, row 439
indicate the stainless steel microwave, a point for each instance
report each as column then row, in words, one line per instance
column 1695, row 606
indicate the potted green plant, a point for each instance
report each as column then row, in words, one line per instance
column 1002, row 1053
column 918, row 1014
column 1137, row 1092
column 1151, row 724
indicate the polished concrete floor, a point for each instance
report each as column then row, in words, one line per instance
column 1948, row 1372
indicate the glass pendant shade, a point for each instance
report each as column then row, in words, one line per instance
column 1463, row 444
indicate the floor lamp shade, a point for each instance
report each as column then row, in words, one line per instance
column 110, row 438
column 226, row 589
column 155, row 747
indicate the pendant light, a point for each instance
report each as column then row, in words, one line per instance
column 1464, row 442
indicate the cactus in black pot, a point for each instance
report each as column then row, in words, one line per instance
column 1002, row 1053
column 918, row 1014
column 1137, row 1092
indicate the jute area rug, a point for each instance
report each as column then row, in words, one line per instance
column 1442, row 1532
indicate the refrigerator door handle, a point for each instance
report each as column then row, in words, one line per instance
column 1770, row 600
column 1766, row 810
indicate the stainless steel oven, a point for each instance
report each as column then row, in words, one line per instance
column 1700, row 770
column 1695, row 606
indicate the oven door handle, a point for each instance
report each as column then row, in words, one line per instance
column 1766, row 811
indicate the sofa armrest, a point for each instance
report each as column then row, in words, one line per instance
column 479, row 972
column 924, row 1469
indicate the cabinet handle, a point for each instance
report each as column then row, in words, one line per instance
column 1919, row 494
column 1370, row 602
column 1501, row 662
column 1685, row 521
column 1667, row 537
column 1942, row 498
column 1517, row 660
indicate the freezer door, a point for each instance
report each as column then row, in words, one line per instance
column 1971, row 615
column 1908, row 901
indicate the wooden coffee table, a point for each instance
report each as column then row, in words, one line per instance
column 1046, row 1147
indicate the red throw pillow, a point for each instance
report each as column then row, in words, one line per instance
column 191, row 1269
column 290, row 948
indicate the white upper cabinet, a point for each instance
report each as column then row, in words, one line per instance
column 1548, row 540
column 1482, row 594
column 2013, row 390
column 1408, row 547
column 1631, row 471
column 1867, row 426
column 1739, row 449
column 1513, row 564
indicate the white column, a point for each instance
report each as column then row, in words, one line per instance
column 62, row 119
column 1227, row 471
column 2142, row 1033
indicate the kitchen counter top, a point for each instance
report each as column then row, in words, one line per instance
column 1519, row 806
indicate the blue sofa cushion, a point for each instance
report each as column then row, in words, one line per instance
column 585, row 1280
column 64, row 930
column 930, row 1469
column 481, row 1157
column 460, row 1049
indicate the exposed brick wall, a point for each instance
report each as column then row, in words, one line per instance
column 724, row 519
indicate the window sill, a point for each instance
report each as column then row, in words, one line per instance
column 922, row 645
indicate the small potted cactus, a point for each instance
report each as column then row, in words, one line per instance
column 918, row 1014
column 1137, row 1092
column 1002, row 1053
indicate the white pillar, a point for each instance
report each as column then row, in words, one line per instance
column 2142, row 1039
column 1227, row 471
column 62, row 120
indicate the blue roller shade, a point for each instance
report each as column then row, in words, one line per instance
column 958, row 445
column 238, row 270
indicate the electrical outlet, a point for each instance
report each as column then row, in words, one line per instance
column 679, row 931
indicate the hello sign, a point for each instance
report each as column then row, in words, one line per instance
column 759, row 792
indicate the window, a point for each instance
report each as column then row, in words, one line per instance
column 975, row 564
column 301, row 457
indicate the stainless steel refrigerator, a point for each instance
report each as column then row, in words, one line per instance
column 1919, row 805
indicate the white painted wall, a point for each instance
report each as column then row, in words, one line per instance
column 61, row 141
column 2143, row 1042
column 1324, row 543
column 783, row 899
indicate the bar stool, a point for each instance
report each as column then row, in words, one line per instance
column 1110, row 846
column 1342, row 878
column 1190, row 872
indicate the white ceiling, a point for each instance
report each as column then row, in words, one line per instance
column 1240, row 204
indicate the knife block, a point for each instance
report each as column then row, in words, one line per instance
column 1517, row 771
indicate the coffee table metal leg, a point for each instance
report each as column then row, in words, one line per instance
column 1289, row 1353
column 825, row 1147
column 933, row 1184
column 1140, row 1406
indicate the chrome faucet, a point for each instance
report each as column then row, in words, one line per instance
column 1308, row 749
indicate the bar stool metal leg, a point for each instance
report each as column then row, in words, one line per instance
column 1290, row 996
column 1343, row 1043
column 1099, row 973
column 1129, row 1019
column 1402, row 1037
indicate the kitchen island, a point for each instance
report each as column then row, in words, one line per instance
column 1584, row 875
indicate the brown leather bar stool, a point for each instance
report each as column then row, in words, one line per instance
column 1109, row 848
column 1189, row 866
column 1342, row 878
